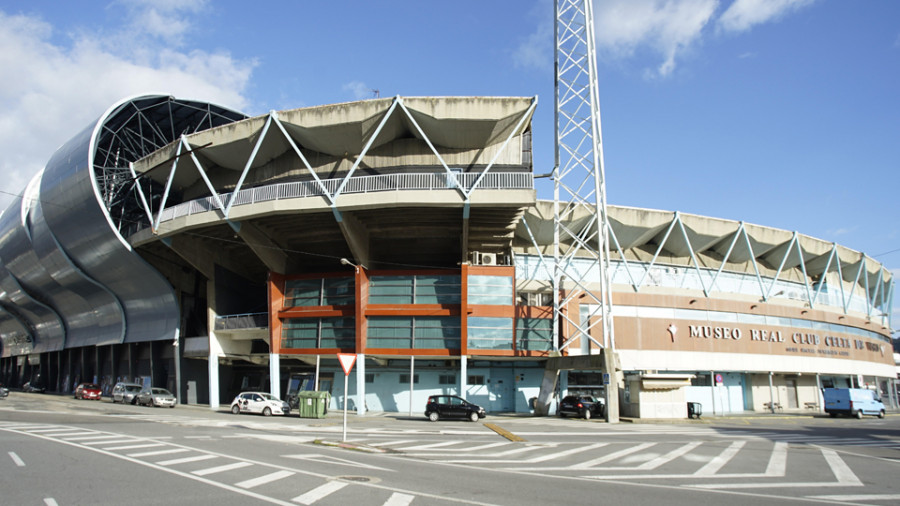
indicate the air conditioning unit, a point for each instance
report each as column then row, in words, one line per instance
column 488, row 259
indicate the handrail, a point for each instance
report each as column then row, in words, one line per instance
column 361, row 184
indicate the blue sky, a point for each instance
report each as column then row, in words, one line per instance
column 782, row 113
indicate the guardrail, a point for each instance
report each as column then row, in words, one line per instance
column 362, row 184
column 242, row 321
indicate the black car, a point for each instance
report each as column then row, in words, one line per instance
column 4, row 392
column 584, row 406
column 451, row 406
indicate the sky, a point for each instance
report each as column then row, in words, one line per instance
column 783, row 113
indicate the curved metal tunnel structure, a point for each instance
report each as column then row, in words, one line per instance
column 69, row 278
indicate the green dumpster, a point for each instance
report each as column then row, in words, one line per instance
column 313, row 404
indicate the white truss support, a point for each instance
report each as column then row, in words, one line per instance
column 658, row 250
column 165, row 197
column 621, row 252
column 209, row 186
column 823, row 281
column 303, row 159
column 844, row 297
column 809, row 298
column 240, row 183
column 525, row 116
column 541, row 261
column 450, row 175
column 693, row 255
column 781, row 266
column 734, row 240
column 365, row 150
column 144, row 204
column 866, row 289
column 890, row 303
column 762, row 289
column 862, row 266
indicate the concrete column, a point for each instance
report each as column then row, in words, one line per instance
column 463, row 379
column 820, row 402
column 275, row 375
column 712, row 386
column 361, row 384
column 412, row 376
column 771, row 394
column 213, row 344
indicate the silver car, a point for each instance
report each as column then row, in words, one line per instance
column 156, row 397
column 126, row 392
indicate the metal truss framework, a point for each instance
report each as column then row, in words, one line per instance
column 224, row 202
column 146, row 126
column 877, row 288
column 579, row 180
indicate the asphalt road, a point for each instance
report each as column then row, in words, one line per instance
column 57, row 450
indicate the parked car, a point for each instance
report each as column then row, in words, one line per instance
column 259, row 402
column 4, row 392
column 583, row 406
column 159, row 397
column 451, row 406
column 126, row 392
column 87, row 391
column 852, row 401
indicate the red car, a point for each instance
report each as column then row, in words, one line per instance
column 88, row 391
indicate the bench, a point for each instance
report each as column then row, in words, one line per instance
column 773, row 407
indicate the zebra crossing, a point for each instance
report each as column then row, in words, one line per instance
column 269, row 482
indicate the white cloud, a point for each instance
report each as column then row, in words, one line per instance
column 666, row 27
column 54, row 90
column 359, row 90
column 536, row 50
column 743, row 15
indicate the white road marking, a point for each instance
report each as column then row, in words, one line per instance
column 133, row 447
column 15, row 458
column 840, row 468
column 611, row 456
column 778, row 461
column 398, row 499
column 185, row 460
column 50, row 502
column 434, row 445
column 533, row 460
column 327, row 459
column 221, row 469
column 93, row 437
column 262, row 480
column 720, row 460
column 672, row 455
column 855, row 498
column 158, row 452
column 319, row 492
column 843, row 474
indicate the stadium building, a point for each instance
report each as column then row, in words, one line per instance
column 180, row 244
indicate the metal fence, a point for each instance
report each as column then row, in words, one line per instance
column 364, row 184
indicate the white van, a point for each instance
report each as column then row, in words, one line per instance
column 852, row 401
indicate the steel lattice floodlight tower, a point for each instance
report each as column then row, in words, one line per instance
column 580, row 219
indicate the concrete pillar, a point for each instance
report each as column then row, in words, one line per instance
column 612, row 389
column 771, row 394
column 213, row 344
column 412, row 376
column 275, row 375
column 712, row 386
column 361, row 384
column 463, row 379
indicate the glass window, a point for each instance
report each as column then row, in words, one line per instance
column 302, row 292
column 421, row 332
column 534, row 334
column 475, row 379
column 319, row 333
column 404, row 378
column 492, row 290
column 487, row 333
column 447, row 379
column 420, row 289
column 319, row 292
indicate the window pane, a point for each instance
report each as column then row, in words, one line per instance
column 493, row 290
column 490, row 333
column 302, row 292
column 534, row 334
column 339, row 291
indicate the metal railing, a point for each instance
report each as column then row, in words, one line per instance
column 242, row 321
column 363, row 184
